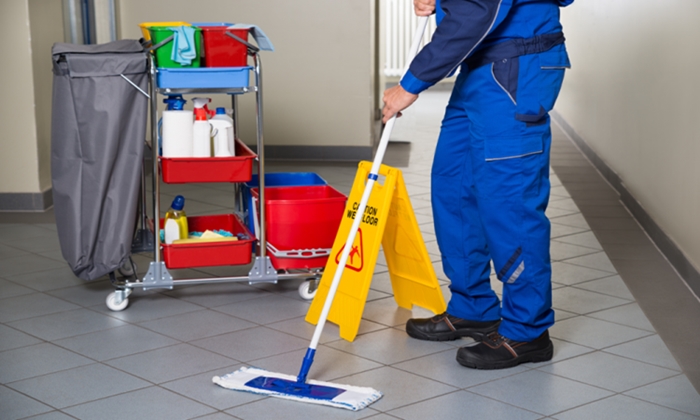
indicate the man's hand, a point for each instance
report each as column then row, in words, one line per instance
column 424, row 7
column 396, row 99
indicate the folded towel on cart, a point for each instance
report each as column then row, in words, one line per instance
column 261, row 39
column 184, row 49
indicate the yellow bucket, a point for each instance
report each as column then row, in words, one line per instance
column 147, row 34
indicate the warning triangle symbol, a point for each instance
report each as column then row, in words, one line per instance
column 356, row 258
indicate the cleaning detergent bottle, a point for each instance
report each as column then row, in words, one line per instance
column 176, row 137
column 224, row 133
column 175, row 226
column 201, row 129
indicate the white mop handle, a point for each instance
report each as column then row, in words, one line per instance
column 378, row 157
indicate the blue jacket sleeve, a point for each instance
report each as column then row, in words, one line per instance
column 464, row 27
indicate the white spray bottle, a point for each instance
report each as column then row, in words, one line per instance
column 201, row 134
column 223, row 141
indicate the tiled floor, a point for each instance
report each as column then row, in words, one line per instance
column 64, row 355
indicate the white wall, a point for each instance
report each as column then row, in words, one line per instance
column 317, row 83
column 632, row 94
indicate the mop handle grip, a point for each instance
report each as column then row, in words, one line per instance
column 378, row 158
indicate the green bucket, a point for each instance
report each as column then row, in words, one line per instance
column 164, row 52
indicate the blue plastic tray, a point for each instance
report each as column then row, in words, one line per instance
column 204, row 77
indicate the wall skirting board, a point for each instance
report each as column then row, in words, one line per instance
column 26, row 201
column 670, row 250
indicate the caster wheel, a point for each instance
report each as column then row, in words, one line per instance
column 128, row 269
column 307, row 290
column 113, row 302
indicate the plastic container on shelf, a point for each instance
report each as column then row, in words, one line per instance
column 223, row 140
column 279, row 179
column 175, row 225
column 238, row 168
column 207, row 254
column 145, row 25
column 221, row 50
column 303, row 219
column 203, row 77
column 164, row 53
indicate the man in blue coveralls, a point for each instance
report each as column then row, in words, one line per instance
column 490, row 175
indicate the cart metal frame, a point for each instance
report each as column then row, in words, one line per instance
column 158, row 276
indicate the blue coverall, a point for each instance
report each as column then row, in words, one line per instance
column 490, row 176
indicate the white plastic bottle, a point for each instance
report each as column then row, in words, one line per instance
column 223, row 141
column 201, row 130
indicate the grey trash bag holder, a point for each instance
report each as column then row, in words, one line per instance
column 98, row 127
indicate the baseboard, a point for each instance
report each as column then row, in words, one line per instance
column 26, row 201
column 673, row 254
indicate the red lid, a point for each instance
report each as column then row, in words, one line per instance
column 200, row 114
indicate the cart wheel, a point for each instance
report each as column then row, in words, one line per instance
column 307, row 290
column 128, row 269
column 117, row 303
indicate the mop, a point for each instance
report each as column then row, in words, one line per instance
column 279, row 385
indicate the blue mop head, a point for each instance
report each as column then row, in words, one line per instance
column 262, row 382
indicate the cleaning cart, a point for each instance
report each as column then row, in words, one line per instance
column 251, row 247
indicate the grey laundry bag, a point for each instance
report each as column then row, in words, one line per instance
column 98, row 128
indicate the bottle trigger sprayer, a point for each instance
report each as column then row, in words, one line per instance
column 202, row 129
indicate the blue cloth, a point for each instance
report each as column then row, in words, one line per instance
column 184, row 48
column 261, row 39
column 466, row 26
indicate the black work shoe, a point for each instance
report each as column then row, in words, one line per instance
column 497, row 352
column 445, row 327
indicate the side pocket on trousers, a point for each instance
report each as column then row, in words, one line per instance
column 505, row 73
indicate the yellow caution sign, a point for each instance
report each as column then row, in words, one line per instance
column 388, row 220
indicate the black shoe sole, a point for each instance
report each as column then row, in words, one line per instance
column 536, row 356
column 475, row 333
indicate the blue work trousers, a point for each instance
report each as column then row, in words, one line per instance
column 490, row 189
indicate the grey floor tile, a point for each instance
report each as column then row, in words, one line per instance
column 7, row 251
column 586, row 239
column 213, row 295
column 540, row 392
column 444, row 368
column 31, row 305
column 10, row 338
column 630, row 315
column 251, row 344
column 563, row 350
column 9, row 289
column 28, row 263
column 676, row 392
column 567, row 204
column 267, row 309
column 560, row 192
column 570, row 274
column 331, row 332
column 42, row 281
column 36, row 360
column 608, row 371
column 149, row 403
column 37, row 244
column 19, row 231
column 594, row 333
column 216, row 416
column 87, row 295
column 599, row 261
column 54, row 415
column 559, row 230
column 17, row 406
column 454, row 406
column 613, row 286
column 575, row 220
column 329, row 364
column 277, row 408
column 399, row 388
column 582, row 301
column 389, row 346
column 650, row 350
column 563, row 251
column 116, row 342
column 554, row 212
column 66, row 324
column 196, row 325
column 201, row 388
column 621, row 407
column 79, row 385
column 146, row 306
column 387, row 312
column 170, row 363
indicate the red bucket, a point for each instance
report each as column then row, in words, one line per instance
column 221, row 50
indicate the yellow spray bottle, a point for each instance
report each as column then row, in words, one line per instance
column 175, row 226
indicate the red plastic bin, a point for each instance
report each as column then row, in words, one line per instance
column 220, row 50
column 302, row 218
column 237, row 168
column 207, row 254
